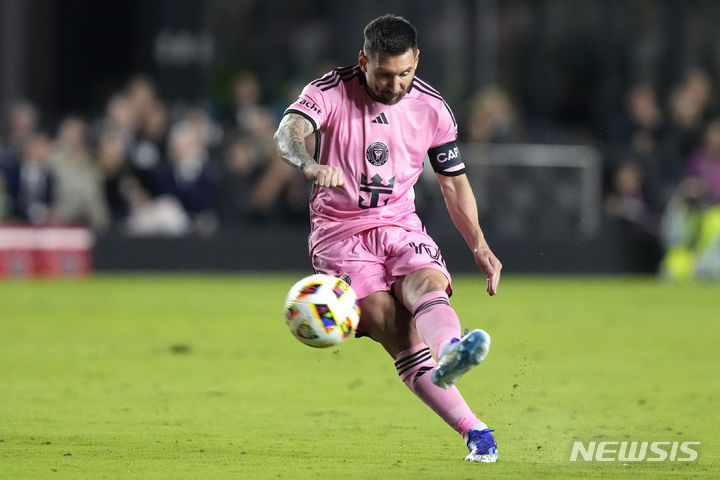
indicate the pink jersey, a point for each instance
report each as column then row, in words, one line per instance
column 380, row 149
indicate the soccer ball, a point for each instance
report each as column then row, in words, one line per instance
column 321, row 310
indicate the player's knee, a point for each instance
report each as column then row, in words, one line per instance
column 384, row 320
column 375, row 311
column 421, row 282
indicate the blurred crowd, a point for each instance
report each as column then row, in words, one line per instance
column 147, row 168
column 663, row 171
column 144, row 167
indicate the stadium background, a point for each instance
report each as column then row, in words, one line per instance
column 633, row 81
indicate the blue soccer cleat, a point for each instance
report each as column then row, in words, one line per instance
column 459, row 356
column 482, row 446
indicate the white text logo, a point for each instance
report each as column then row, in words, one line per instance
column 634, row 451
column 451, row 155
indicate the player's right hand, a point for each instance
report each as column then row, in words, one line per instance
column 324, row 175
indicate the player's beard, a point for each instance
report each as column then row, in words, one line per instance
column 393, row 99
column 385, row 97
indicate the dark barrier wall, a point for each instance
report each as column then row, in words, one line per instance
column 279, row 249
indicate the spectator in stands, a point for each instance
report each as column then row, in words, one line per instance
column 6, row 206
column 697, row 81
column 245, row 96
column 634, row 136
column 150, row 147
column 142, row 97
column 280, row 193
column 636, row 130
column 689, row 105
column 113, row 165
column 79, row 193
column 148, row 216
column 31, row 182
column 492, row 117
column 691, row 226
column 636, row 193
column 120, row 120
column 20, row 124
column 628, row 199
column 186, row 175
column 704, row 163
column 240, row 170
column 210, row 134
column 150, row 127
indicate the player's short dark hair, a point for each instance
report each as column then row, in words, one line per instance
column 389, row 34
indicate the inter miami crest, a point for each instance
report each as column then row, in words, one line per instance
column 377, row 153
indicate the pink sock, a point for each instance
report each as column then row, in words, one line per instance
column 414, row 366
column 435, row 320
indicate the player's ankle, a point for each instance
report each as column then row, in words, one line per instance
column 442, row 346
column 479, row 426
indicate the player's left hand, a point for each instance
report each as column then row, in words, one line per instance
column 491, row 267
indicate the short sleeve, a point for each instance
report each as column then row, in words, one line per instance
column 444, row 155
column 311, row 105
column 446, row 126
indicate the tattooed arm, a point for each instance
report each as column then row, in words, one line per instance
column 290, row 143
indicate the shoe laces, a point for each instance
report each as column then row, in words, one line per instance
column 481, row 440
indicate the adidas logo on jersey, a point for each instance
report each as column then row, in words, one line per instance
column 381, row 119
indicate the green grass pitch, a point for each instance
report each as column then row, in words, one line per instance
column 172, row 377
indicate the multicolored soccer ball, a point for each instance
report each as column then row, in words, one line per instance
column 321, row 310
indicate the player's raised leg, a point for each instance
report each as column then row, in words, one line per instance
column 423, row 292
column 386, row 321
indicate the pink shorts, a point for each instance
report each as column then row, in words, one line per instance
column 374, row 259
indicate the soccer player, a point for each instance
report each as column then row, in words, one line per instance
column 374, row 122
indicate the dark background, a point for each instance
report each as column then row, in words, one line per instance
column 566, row 64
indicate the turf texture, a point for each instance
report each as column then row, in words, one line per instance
column 198, row 377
